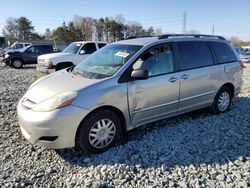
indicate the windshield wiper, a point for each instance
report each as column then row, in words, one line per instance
column 77, row 72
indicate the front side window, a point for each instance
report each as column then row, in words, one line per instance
column 223, row 52
column 157, row 61
column 32, row 50
column 106, row 61
column 194, row 54
column 72, row 48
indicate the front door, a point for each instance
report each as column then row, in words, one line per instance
column 156, row 97
column 31, row 55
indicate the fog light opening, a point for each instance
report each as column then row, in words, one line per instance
column 48, row 138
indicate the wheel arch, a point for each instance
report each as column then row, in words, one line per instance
column 16, row 57
column 110, row 108
column 230, row 86
column 63, row 63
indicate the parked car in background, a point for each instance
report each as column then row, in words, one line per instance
column 71, row 55
column 27, row 55
column 127, row 84
column 15, row 47
column 245, row 57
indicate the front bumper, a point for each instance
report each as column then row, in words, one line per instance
column 56, row 129
column 44, row 69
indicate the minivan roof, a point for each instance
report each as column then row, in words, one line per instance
column 175, row 37
column 89, row 41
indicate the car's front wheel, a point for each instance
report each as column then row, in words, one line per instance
column 222, row 101
column 99, row 131
column 17, row 63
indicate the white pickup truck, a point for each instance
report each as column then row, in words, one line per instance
column 71, row 55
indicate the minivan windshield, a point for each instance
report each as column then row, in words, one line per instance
column 106, row 61
column 72, row 48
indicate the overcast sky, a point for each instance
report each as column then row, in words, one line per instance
column 230, row 18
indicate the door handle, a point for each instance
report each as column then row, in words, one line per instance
column 184, row 76
column 173, row 79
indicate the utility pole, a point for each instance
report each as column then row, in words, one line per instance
column 185, row 22
column 213, row 30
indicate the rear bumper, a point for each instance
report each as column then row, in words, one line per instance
column 56, row 129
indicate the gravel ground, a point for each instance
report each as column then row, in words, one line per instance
column 192, row 150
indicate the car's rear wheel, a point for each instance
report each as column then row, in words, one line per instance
column 99, row 131
column 222, row 101
column 17, row 63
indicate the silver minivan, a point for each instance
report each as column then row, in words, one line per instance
column 127, row 84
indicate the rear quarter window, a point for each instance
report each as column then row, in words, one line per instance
column 223, row 52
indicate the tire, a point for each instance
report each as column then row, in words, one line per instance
column 61, row 66
column 17, row 63
column 98, row 132
column 222, row 101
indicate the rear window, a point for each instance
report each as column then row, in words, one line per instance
column 89, row 48
column 194, row 54
column 45, row 48
column 223, row 52
column 100, row 45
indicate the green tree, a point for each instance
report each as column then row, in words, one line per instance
column 24, row 28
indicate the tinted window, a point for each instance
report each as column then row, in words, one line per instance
column 194, row 55
column 100, row 45
column 223, row 52
column 32, row 49
column 45, row 49
column 89, row 48
column 26, row 45
column 157, row 61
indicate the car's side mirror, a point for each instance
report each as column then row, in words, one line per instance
column 139, row 74
column 82, row 52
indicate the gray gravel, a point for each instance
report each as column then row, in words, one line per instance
column 192, row 150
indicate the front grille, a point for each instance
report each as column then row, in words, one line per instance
column 40, row 60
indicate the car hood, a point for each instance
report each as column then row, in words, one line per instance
column 54, row 55
column 13, row 52
column 56, row 83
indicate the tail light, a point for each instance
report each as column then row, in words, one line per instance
column 242, row 65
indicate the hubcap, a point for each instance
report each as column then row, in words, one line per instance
column 102, row 133
column 17, row 63
column 223, row 101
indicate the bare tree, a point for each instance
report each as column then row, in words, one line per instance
column 85, row 26
column 48, row 34
column 158, row 31
column 10, row 29
column 235, row 41
column 193, row 31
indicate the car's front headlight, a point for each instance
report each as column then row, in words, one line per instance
column 55, row 102
column 6, row 56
